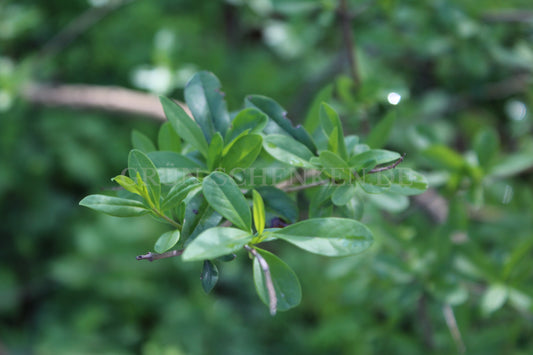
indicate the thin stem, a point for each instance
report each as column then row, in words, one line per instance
column 273, row 300
column 449, row 316
column 388, row 167
column 349, row 41
column 174, row 223
column 154, row 256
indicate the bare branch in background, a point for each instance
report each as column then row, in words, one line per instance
column 104, row 98
column 349, row 41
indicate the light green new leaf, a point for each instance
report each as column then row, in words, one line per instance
column 168, row 139
column 279, row 203
column 184, row 126
column 493, row 299
column 288, row 150
column 242, row 153
column 209, row 276
column 166, row 241
column 178, row 192
column 249, row 119
column 214, row 152
column 371, row 158
column 380, row 133
column 328, row 236
column 258, row 212
column 206, row 102
column 405, row 181
column 114, row 206
column 139, row 163
column 215, row 242
column 225, row 197
column 332, row 127
column 141, row 142
column 127, row 183
column 284, row 280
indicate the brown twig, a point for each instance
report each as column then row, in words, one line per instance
column 388, row 167
column 273, row 300
column 425, row 321
column 154, row 256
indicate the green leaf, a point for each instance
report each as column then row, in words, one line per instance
column 279, row 202
column 184, row 126
column 168, row 139
column 114, row 206
column 493, row 299
column 334, row 166
column 343, row 194
column 258, row 212
column 172, row 167
column 214, row 152
column 215, row 242
column 166, row 241
column 242, row 153
column 328, row 236
column 127, row 183
column 312, row 120
column 405, row 181
column 178, row 192
column 198, row 216
column 223, row 194
column 513, row 164
column 209, row 276
column 206, row 102
column 249, row 119
column 279, row 120
column 142, row 142
column 287, row 150
column 444, row 157
column 374, row 183
column 138, row 162
column 332, row 127
column 486, row 145
column 284, row 280
column 380, row 133
column 371, row 158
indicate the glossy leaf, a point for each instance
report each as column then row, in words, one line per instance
column 166, row 241
column 209, row 276
column 334, row 166
column 206, row 102
column 214, row 152
column 179, row 191
column 279, row 203
column 168, row 139
column 198, row 216
column 278, row 115
column 215, row 242
column 328, row 236
column 343, row 194
column 114, row 206
column 225, row 197
column 287, row 150
column 141, row 142
column 249, row 119
column 312, row 120
column 127, row 183
column 379, row 135
column 405, row 181
column 172, row 167
column 139, row 163
column 332, row 127
column 284, row 280
column 184, row 126
column 374, row 183
column 258, row 212
column 371, row 158
column 242, row 153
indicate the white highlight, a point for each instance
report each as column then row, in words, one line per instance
column 394, row 98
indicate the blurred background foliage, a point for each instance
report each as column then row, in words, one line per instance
column 454, row 75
